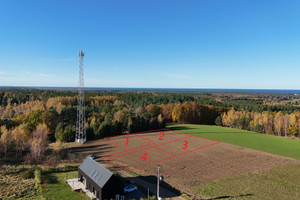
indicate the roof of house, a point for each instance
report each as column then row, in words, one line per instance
column 95, row 171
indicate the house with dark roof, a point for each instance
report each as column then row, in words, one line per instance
column 100, row 181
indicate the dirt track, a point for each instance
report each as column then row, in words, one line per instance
column 194, row 168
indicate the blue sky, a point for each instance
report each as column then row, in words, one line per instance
column 251, row 44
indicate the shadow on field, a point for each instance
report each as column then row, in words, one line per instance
column 181, row 128
column 166, row 190
column 96, row 149
column 50, row 178
column 227, row 197
column 81, row 148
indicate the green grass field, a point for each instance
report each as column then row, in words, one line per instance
column 55, row 187
column 279, row 183
column 267, row 143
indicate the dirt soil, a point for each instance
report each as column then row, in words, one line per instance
column 188, row 170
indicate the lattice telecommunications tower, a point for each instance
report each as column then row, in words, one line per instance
column 80, row 123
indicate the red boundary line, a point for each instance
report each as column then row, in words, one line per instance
column 137, row 134
column 114, row 144
column 145, row 139
column 155, row 130
column 155, row 146
column 193, row 135
column 124, row 150
column 163, row 151
column 175, row 156
column 151, row 147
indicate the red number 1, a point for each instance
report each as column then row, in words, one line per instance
column 127, row 139
column 185, row 145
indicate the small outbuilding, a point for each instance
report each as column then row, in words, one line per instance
column 98, row 180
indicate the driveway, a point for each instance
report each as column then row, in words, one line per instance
column 134, row 195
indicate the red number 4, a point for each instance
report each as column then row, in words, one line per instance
column 144, row 156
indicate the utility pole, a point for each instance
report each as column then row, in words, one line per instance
column 158, row 179
column 80, row 136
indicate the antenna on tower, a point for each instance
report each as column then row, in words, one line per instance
column 80, row 136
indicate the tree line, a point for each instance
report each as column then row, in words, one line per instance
column 30, row 120
column 31, row 126
column 252, row 102
column 275, row 123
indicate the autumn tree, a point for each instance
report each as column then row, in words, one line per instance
column 294, row 124
column 121, row 116
column 21, row 136
column 227, row 118
column 178, row 113
column 166, row 110
column 38, row 142
column 5, row 139
column 154, row 110
column 286, row 122
column 190, row 112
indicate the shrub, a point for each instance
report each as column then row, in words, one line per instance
column 66, row 168
column 218, row 121
column 26, row 173
column 38, row 176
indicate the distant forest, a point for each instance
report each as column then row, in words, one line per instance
column 31, row 118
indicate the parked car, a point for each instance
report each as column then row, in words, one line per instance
column 129, row 188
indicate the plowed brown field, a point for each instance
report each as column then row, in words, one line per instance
column 183, row 166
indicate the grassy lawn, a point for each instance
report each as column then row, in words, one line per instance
column 267, row 143
column 279, row 183
column 55, row 187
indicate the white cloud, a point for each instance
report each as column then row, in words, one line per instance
column 2, row 72
column 178, row 76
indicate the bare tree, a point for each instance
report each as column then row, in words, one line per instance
column 286, row 122
column 39, row 141
column 5, row 139
column 278, row 123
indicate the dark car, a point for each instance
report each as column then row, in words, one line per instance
column 130, row 188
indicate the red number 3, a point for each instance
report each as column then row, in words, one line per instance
column 185, row 144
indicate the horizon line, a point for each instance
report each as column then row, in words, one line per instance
column 146, row 88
